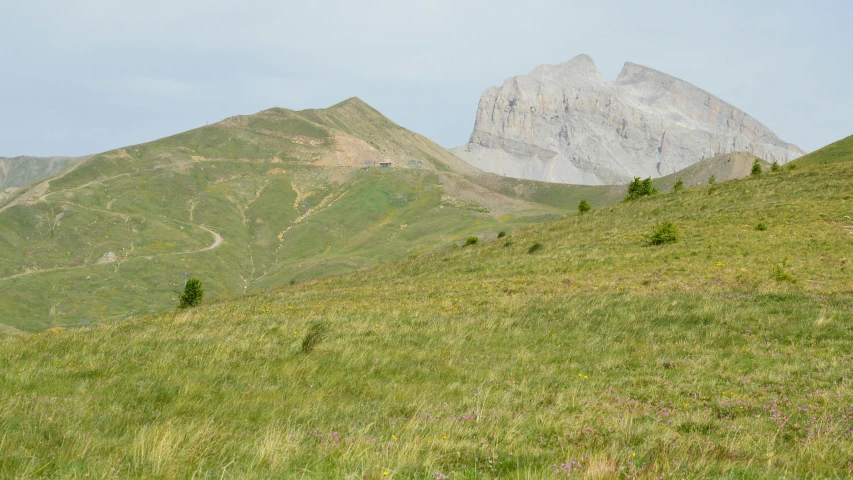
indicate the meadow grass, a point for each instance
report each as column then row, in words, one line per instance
column 597, row 357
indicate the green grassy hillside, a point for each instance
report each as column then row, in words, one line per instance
column 840, row 151
column 595, row 355
column 249, row 203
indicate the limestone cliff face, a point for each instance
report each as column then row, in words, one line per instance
column 21, row 171
column 567, row 123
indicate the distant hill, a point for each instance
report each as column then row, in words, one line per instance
column 726, row 167
column 840, row 151
column 16, row 172
column 249, row 203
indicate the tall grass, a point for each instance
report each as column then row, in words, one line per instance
column 597, row 357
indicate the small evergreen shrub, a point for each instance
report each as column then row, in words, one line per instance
column 472, row 241
column 679, row 186
column 640, row 188
column 508, row 244
column 535, row 248
column 761, row 226
column 663, row 233
column 782, row 275
column 316, row 333
column 756, row 168
column 193, row 294
column 775, row 167
column 501, row 234
column 712, row 179
column 584, row 207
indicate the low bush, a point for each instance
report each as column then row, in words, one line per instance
column 472, row 241
column 535, row 247
column 782, row 275
column 584, row 207
column 663, row 233
column 679, row 186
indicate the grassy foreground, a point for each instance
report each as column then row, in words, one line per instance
column 726, row 354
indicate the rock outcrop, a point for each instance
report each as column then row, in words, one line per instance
column 567, row 123
column 22, row 171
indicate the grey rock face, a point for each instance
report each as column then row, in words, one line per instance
column 567, row 123
column 22, row 171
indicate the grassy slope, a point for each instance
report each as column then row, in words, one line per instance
column 840, row 151
column 266, row 184
column 725, row 354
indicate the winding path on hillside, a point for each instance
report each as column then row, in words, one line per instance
column 40, row 191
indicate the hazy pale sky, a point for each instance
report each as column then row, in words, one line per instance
column 85, row 76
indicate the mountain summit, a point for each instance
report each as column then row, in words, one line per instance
column 567, row 123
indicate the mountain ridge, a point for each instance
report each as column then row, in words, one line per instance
column 567, row 123
column 247, row 203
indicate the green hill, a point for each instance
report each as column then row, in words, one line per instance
column 249, row 203
column 596, row 354
column 840, row 151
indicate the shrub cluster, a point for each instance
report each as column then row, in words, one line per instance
column 640, row 188
column 584, row 207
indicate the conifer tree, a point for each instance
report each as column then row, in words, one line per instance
column 640, row 188
column 756, row 168
column 193, row 294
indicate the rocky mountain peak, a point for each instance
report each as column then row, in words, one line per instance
column 567, row 123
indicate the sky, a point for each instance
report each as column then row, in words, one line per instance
column 84, row 76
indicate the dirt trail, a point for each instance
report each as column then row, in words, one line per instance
column 217, row 241
column 38, row 190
